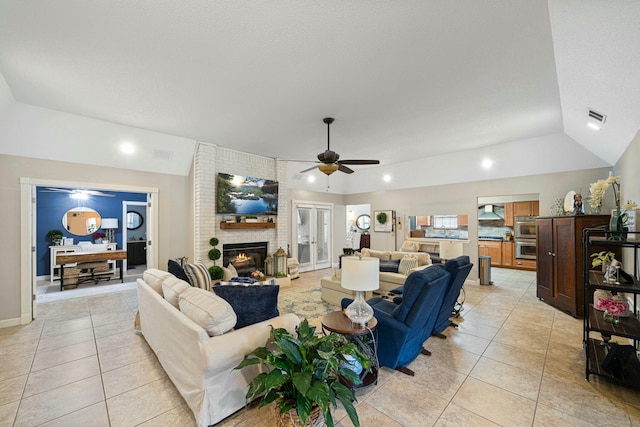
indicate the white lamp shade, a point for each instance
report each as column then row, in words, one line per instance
column 450, row 250
column 360, row 273
column 109, row 223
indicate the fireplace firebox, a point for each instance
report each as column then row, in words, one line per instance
column 245, row 257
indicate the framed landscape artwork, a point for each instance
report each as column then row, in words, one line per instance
column 383, row 221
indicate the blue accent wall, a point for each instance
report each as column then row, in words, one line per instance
column 51, row 207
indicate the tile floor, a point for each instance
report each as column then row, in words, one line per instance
column 513, row 361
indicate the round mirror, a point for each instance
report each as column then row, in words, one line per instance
column 134, row 220
column 81, row 221
column 363, row 222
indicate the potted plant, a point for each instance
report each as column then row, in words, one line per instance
column 98, row 236
column 216, row 272
column 306, row 374
column 55, row 236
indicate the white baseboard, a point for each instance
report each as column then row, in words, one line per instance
column 10, row 322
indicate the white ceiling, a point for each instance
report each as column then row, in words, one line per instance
column 405, row 81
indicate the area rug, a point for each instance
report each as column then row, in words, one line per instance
column 305, row 302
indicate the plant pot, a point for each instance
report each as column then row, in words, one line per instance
column 291, row 419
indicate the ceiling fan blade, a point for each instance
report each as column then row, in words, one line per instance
column 343, row 168
column 59, row 190
column 359, row 162
column 99, row 193
column 309, row 169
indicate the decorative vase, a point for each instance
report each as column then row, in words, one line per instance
column 291, row 419
column 607, row 317
column 596, row 210
column 616, row 227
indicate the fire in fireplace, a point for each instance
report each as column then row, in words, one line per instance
column 245, row 257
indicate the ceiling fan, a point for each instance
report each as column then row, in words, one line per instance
column 78, row 193
column 329, row 162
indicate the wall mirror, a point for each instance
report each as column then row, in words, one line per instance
column 363, row 222
column 134, row 220
column 81, row 221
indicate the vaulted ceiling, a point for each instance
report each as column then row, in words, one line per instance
column 441, row 83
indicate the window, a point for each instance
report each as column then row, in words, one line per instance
column 445, row 221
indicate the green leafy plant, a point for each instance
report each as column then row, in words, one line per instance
column 54, row 235
column 381, row 217
column 306, row 372
column 216, row 272
column 214, row 254
column 214, row 241
column 600, row 258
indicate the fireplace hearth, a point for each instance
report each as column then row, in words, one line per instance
column 245, row 257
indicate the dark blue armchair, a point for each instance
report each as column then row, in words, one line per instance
column 459, row 269
column 402, row 327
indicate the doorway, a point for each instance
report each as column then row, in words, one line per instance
column 312, row 234
column 134, row 236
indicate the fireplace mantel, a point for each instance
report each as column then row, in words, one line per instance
column 246, row 225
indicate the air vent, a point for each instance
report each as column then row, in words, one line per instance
column 597, row 116
column 162, row 154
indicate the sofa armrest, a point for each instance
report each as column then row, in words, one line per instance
column 225, row 352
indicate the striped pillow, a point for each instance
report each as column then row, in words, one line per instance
column 406, row 264
column 198, row 275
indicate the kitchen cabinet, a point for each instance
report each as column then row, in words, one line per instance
column 508, row 215
column 136, row 253
column 492, row 249
column 559, row 263
column 530, row 208
column 507, row 253
column 463, row 220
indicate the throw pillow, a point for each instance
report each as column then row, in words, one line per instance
column 406, row 264
column 227, row 274
column 208, row 310
column 389, row 266
column 252, row 304
column 177, row 270
column 172, row 288
column 154, row 278
column 232, row 270
column 409, row 246
column 198, row 275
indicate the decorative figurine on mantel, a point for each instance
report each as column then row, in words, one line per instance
column 577, row 204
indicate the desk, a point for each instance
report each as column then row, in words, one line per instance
column 337, row 322
column 81, row 257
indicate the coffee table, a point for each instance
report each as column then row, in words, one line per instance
column 365, row 338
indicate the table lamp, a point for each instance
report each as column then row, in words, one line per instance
column 109, row 225
column 360, row 274
column 450, row 250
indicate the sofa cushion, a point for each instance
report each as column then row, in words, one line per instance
column 407, row 263
column 154, row 278
column 252, row 304
column 395, row 278
column 430, row 247
column 390, row 266
column 376, row 254
column 209, row 311
column 423, row 257
column 198, row 275
column 409, row 246
column 176, row 269
column 172, row 288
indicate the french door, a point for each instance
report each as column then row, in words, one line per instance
column 312, row 235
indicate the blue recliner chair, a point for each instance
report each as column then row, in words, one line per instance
column 402, row 327
column 459, row 269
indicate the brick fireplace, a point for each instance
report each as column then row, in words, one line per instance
column 245, row 257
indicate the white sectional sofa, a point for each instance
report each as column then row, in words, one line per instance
column 200, row 366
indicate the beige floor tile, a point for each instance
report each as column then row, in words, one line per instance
column 91, row 416
column 62, row 374
column 22, row 349
column 487, row 319
column 15, row 367
column 369, row 416
column 105, row 330
column 179, row 416
column 449, row 356
column 60, row 401
column 434, row 377
column 52, row 329
column 131, row 376
column 143, row 403
column 65, row 340
column 36, row 325
column 119, row 357
column 515, row 356
column 112, row 342
column 397, row 400
column 521, row 381
column 470, row 343
column 525, row 339
column 11, row 389
column 20, row 337
column 8, row 413
column 495, row 404
column 549, row 417
column 106, row 318
column 477, row 329
column 46, row 359
column 455, row 416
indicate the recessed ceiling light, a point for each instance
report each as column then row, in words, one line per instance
column 593, row 126
column 387, row 178
column 487, row 163
column 127, row 148
column 311, row 178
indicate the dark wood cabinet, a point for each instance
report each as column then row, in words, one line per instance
column 365, row 241
column 136, row 253
column 559, row 262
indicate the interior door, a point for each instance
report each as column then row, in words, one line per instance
column 313, row 230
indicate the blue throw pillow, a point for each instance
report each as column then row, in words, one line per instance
column 252, row 304
column 390, row 266
column 177, row 270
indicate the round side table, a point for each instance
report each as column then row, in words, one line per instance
column 338, row 323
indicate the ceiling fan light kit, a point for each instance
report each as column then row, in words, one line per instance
column 329, row 160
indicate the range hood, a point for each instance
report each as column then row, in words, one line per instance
column 486, row 213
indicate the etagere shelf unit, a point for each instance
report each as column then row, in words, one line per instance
column 596, row 348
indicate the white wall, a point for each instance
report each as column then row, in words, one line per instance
column 629, row 171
